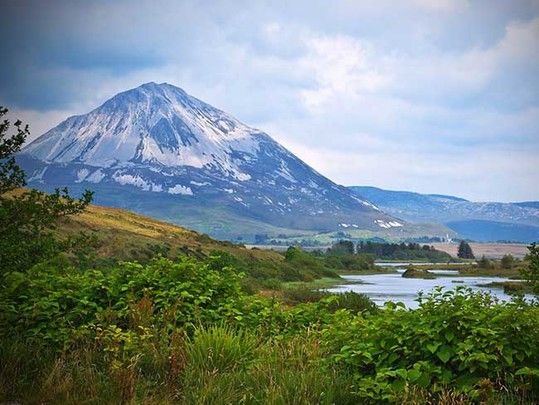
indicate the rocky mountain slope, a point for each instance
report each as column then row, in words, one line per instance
column 159, row 151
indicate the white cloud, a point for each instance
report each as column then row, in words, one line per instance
column 391, row 93
column 442, row 5
column 342, row 68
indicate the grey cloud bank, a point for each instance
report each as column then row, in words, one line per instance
column 429, row 96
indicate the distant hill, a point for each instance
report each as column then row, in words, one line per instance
column 482, row 221
column 528, row 204
column 490, row 231
column 159, row 151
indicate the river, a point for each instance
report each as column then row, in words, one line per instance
column 393, row 287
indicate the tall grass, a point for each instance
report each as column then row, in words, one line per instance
column 271, row 372
column 218, row 365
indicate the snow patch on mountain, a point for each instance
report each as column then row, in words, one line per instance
column 179, row 189
column 38, row 176
column 96, row 176
column 387, row 224
column 349, row 225
column 137, row 181
column 82, row 174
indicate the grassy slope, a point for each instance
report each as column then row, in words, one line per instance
column 124, row 234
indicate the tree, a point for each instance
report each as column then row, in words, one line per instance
column 531, row 271
column 484, row 263
column 465, row 250
column 28, row 217
column 293, row 252
column 11, row 175
column 507, row 261
column 342, row 247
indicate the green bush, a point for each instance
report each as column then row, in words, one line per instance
column 352, row 301
column 303, row 294
column 507, row 262
column 360, row 262
column 456, row 339
column 52, row 300
column 332, row 302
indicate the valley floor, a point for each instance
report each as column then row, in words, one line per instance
column 490, row 250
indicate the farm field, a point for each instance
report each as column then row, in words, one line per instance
column 489, row 250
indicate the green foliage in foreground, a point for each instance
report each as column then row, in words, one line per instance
column 456, row 339
column 53, row 303
column 185, row 332
column 27, row 218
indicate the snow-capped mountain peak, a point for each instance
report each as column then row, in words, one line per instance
column 154, row 123
column 156, row 138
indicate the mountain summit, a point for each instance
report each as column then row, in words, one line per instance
column 157, row 150
column 154, row 124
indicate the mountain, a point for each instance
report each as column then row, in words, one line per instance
column 482, row 221
column 529, row 204
column 488, row 231
column 161, row 152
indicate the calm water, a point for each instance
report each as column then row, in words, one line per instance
column 393, row 287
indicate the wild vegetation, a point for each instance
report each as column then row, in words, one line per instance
column 508, row 266
column 403, row 251
column 186, row 323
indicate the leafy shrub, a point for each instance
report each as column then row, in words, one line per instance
column 359, row 262
column 484, row 263
column 353, row 302
column 52, row 300
column 455, row 339
column 331, row 302
column 302, row 294
column 27, row 218
column 271, row 283
column 507, row 261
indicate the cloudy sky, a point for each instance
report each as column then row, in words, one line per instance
column 436, row 96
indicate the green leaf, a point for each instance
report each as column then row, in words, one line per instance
column 401, row 372
column 528, row 371
column 444, row 354
column 508, row 358
column 392, row 358
column 424, row 380
column 414, row 375
column 432, row 347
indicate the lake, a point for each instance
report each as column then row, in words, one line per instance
column 393, row 287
